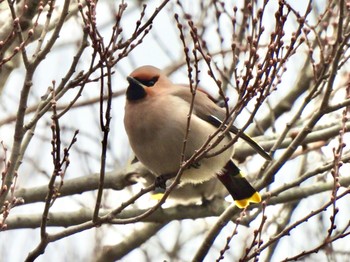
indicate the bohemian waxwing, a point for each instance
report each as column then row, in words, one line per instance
column 156, row 122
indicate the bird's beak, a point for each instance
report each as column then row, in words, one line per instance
column 135, row 90
column 132, row 81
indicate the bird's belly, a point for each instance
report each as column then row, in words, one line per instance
column 161, row 152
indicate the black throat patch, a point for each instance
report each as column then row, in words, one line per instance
column 135, row 90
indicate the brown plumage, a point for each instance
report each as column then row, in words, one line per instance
column 156, row 122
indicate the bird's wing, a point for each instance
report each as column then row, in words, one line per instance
column 215, row 121
column 206, row 109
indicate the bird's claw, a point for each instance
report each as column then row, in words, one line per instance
column 160, row 182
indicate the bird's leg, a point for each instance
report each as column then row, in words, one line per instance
column 160, row 182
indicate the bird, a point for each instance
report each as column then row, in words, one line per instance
column 156, row 123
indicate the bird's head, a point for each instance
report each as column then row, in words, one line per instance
column 143, row 80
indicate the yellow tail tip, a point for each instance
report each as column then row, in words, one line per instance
column 243, row 203
column 157, row 196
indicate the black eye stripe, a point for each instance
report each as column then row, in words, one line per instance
column 148, row 82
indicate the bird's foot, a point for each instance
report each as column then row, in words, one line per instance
column 160, row 182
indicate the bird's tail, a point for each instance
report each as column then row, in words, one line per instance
column 239, row 188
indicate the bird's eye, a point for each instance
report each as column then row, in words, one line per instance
column 148, row 82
